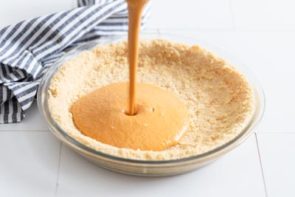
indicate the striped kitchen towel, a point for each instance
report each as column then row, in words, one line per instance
column 29, row 48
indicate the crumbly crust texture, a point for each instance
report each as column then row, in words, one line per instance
column 219, row 99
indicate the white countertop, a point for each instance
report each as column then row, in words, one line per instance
column 260, row 33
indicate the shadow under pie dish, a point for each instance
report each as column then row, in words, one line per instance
column 224, row 104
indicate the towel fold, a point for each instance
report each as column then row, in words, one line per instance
column 29, row 48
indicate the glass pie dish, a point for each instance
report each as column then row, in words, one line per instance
column 150, row 167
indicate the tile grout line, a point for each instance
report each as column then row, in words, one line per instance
column 58, row 169
column 158, row 31
column 232, row 15
column 203, row 30
column 224, row 30
column 276, row 132
column 29, row 130
column 261, row 167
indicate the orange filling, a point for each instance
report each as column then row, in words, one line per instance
column 159, row 121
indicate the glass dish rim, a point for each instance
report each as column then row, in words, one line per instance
column 43, row 108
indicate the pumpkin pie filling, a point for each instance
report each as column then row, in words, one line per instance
column 158, row 123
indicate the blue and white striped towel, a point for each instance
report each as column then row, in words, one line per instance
column 30, row 47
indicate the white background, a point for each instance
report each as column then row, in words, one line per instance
column 261, row 33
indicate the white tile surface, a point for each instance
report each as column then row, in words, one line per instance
column 13, row 11
column 278, row 161
column 270, row 56
column 32, row 122
column 29, row 162
column 264, row 14
column 192, row 14
column 236, row 174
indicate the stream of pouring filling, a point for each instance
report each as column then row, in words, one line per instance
column 135, row 8
column 149, row 123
